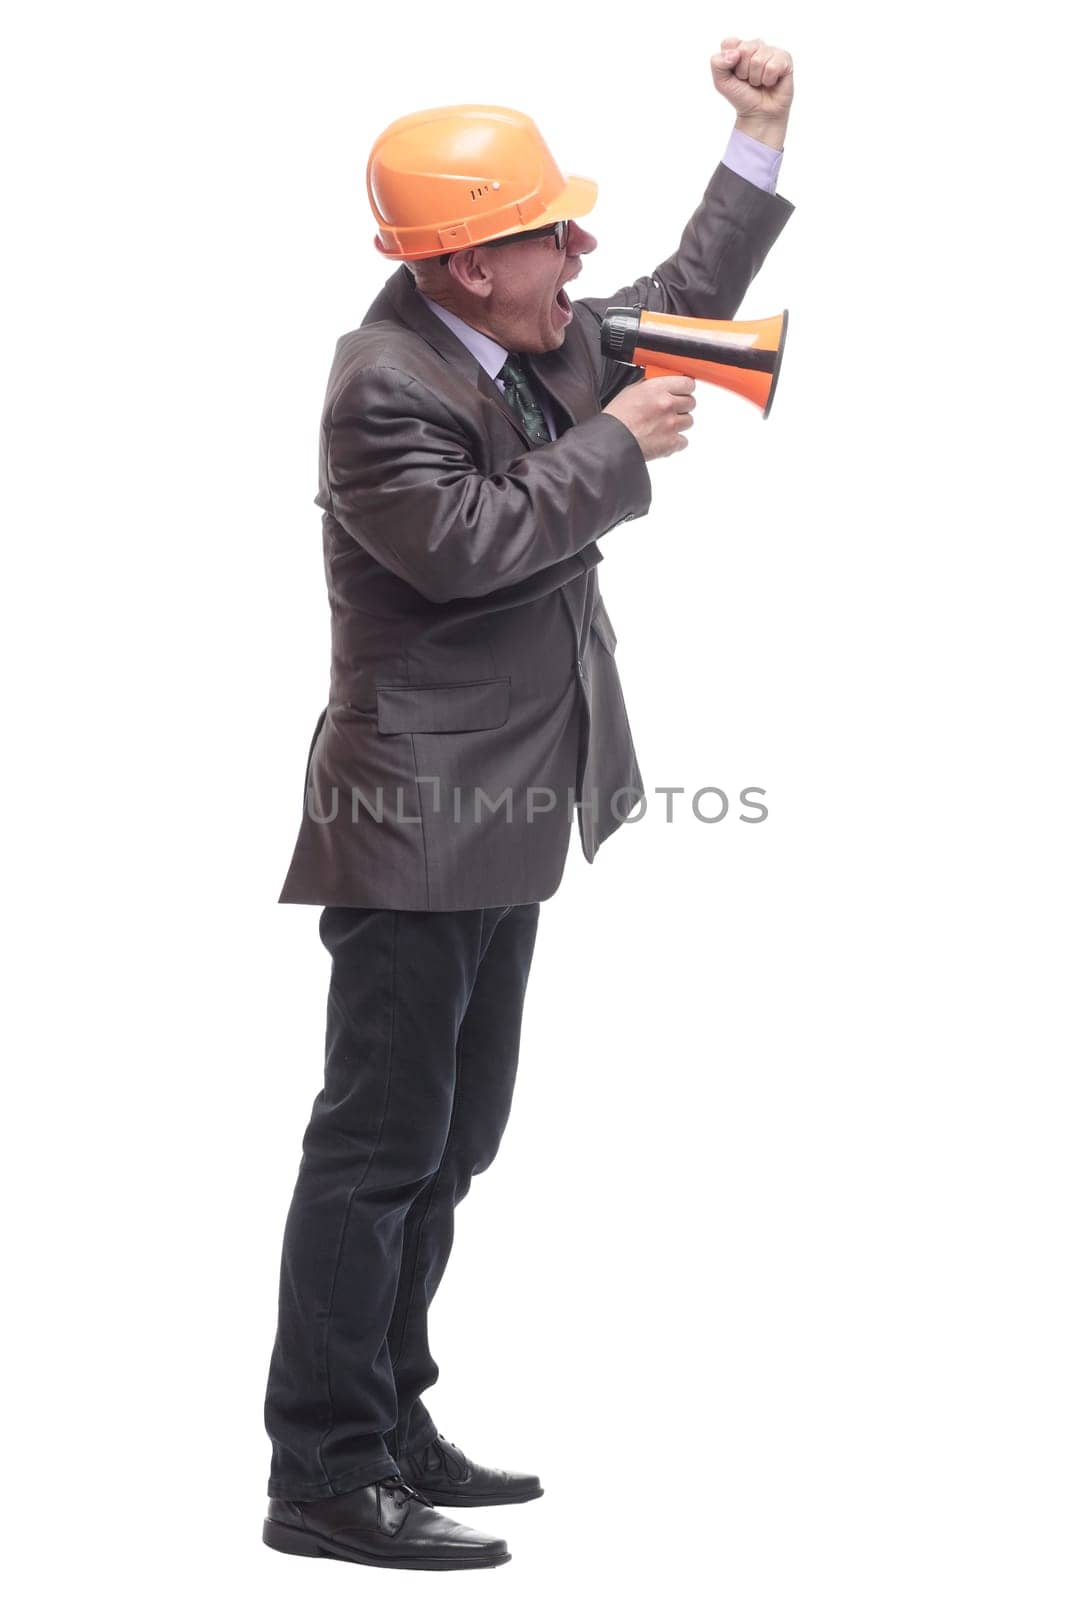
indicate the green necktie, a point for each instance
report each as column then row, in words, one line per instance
column 519, row 394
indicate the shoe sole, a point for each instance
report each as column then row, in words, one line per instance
column 299, row 1542
column 446, row 1498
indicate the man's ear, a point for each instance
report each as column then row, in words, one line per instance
column 468, row 269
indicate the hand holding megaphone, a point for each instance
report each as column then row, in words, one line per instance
column 674, row 351
column 656, row 413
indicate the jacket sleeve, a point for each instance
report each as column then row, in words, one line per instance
column 723, row 246
column 403, row 483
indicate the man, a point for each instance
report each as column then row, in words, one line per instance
column 475, row 444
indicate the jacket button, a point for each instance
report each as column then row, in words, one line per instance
column 581, row 669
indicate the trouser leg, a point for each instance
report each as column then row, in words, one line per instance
column 487, row 1053
column 399, row 989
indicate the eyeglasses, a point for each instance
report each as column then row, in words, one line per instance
column 561, row 230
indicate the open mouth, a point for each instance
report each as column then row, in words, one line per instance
column 563, row 303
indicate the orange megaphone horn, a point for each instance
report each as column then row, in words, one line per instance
column 742, row 356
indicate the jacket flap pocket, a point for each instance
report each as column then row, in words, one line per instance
column 601, row 624
column 444, row 707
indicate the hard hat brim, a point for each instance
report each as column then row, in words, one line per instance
column 576, row 199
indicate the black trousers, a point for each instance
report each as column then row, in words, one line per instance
column 422, row 1043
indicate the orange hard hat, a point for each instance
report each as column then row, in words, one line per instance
column 454, row 176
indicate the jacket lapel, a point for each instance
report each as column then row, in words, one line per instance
column 559, row 375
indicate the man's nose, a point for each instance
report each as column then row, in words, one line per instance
column 579, row 240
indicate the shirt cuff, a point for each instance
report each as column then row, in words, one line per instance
column 752, row 159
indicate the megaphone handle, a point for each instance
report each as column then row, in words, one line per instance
column 659, row 372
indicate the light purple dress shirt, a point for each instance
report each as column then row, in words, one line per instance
column 749, row 158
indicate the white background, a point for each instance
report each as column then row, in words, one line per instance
column 767, row 1280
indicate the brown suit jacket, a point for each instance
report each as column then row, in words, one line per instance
column 474, row 702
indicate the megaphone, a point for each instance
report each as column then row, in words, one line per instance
column 742, row 356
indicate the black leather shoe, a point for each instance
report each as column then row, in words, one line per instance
column 444, row 1473
column 383, row 1524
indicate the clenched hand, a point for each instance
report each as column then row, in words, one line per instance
column 656, row 410
column 757, row 79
